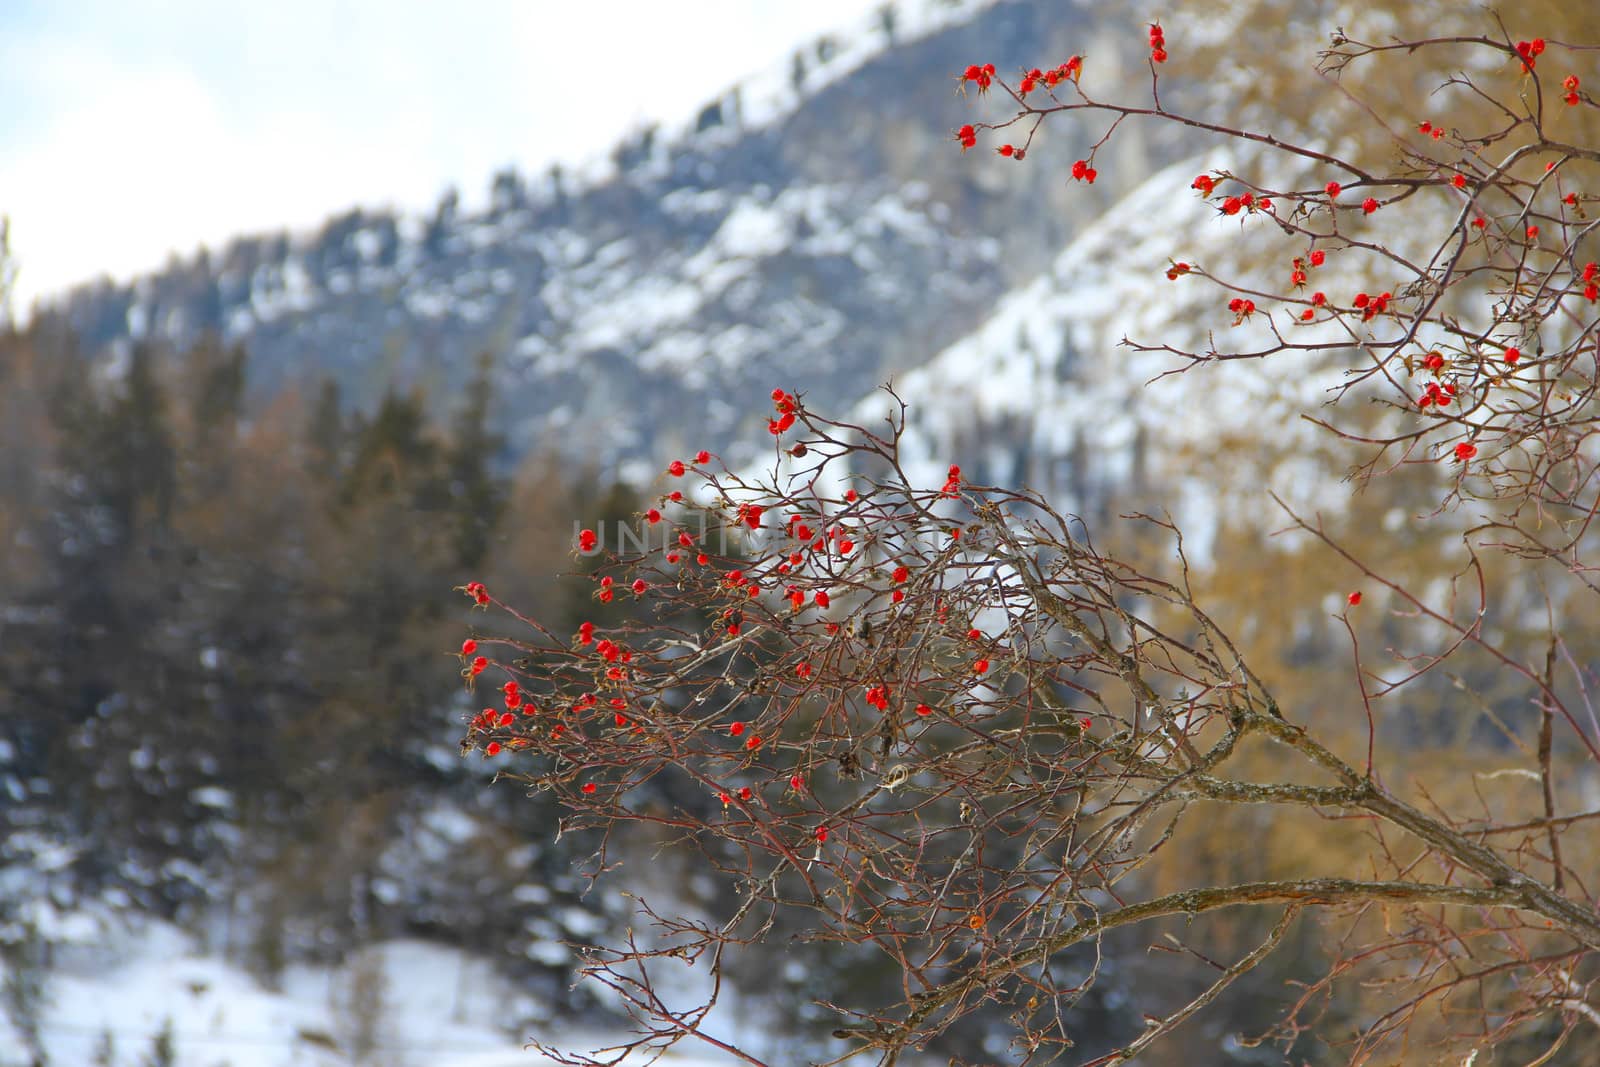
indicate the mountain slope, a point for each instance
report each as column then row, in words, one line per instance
column 836, row 242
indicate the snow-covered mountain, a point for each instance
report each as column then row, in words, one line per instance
column 1048, row 391
column 820, row 230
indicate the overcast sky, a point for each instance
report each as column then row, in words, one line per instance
column 132, row 128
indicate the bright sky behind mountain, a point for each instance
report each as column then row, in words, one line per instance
column 135, row 128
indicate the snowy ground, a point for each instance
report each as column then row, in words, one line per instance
column 440, row 1008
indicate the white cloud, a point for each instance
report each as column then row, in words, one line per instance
column 155, row 127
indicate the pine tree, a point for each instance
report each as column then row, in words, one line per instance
column 478, row 497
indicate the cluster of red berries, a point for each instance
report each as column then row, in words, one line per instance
column 479, row 595
column 1436, row 395
column 952, row 482
column 1591, row 281
column 1176, row 271
column 1051, row 78
column 1158, row 44
column 750, row 515
column 1570, row 83
column 967, row 136
column 489, row 719
column 607, row 593
column 1082, row 172
column 1465, row 451
column 1246, row 202
column 735, row 729
column 982, row 76
column 1529, row 51
column 1012, row 151
column 786, row 406
column 1242, row 309
column 1430, row 129
column 1297, row 273
column 1372, row 306
column 878, row 697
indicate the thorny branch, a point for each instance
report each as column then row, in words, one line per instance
column 941, row 726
